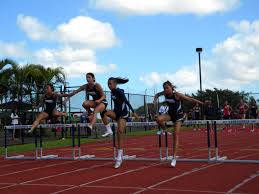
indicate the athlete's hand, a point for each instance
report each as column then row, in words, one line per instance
column 65, row 101
column 97, row 101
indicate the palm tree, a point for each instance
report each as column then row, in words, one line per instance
column 24, row 80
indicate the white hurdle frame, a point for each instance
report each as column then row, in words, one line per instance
column 92, row 157
column 210, row 159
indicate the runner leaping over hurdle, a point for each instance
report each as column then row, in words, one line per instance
column 175, row 112
column 49, row 100
column 99, row 102
column 120, row 112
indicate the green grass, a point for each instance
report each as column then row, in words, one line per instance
column 67, row 142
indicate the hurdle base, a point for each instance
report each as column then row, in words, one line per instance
column 85, row 157
column 19, row 157
column 169, row 158
column 128, row 157
column 47, row 157
column 218, row 158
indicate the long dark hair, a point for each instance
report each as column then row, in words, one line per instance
column 119, row 80
column 14, row 111
column 169, row 83
column 92, row 75
column 51, row 86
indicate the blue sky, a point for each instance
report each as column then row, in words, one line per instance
column 148, row 41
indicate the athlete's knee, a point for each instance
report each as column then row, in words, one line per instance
column 159, row 120
column 103, row 114
column 120, row 131
column 86, row 104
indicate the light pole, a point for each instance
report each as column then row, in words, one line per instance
column 199, row 50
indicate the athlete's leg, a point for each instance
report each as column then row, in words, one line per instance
column 39, row 118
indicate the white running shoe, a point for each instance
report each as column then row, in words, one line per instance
column 173, row 162
column 30, row 131
column 108, row 133
column 118, row 164
column 160, row 132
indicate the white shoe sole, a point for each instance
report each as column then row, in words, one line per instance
column 107, row 134
column 173, row 163
column 118, row 164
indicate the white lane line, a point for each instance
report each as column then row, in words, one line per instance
column 183, row 174
column 175, row 177
column 36, row 168
column 157, row 189
column 15, row 164
column 49, row 185
column 112, row 176
column 67, row 172
column 250, row 178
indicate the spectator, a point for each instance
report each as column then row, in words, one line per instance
column 190, row 115
column 242, row 108
column 197, row 115
column 210, row 112
column 253, row 111
column 15, row 121
column 227, row 111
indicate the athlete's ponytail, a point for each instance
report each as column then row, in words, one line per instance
column 119, row 80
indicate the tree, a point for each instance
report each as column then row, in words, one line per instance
column 22, row 81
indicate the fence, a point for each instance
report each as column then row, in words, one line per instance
column 142, row 104
column 22, row 96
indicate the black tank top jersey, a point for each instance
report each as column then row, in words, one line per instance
column 197, row 109
column 254, row 109
column 96, row 95
column 49, row 103
column 120, row 100
column 174, row 105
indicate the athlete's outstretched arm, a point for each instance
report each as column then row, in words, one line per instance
column 187, row 98
column 157, row 96
column 81, row 88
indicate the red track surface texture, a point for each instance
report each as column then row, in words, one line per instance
column 138, row 176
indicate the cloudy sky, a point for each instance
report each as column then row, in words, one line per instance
column 148, row 41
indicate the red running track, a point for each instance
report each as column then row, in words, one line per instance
column 138, row 176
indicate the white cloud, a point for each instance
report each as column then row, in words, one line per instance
column 9, row 49
column 80, row 31
column 76, row 62
column 76, row 40
column 233, row 63
column 34, row 29
column 154, row 7
column 184, row 78
column 86, row 31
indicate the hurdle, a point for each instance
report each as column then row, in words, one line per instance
column 18, row 157
column 93, row 157
column 84, row 156
column 39, row 145
column 178, row 158
column 233, row 122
